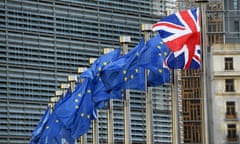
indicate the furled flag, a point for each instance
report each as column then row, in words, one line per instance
column 152, row 57
column 99, row 94
column 124, row 73
column 55, row 132
column 40, row 127
column 85, row 114
column 67, row 110
column 181, row 33
column 64, row 97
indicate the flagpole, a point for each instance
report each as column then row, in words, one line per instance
column 109, row 111
column 204, row 83
column 64, row 87
column 82, row 139
column 95, row 132
column 72, row 79
column 124, row 40
column 177, row 109
column 147, row 28
column 58, row 93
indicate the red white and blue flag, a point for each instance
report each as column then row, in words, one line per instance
column 181, row 33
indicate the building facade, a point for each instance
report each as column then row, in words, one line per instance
column 225, row 93
column 223, row 47
column 43, row 41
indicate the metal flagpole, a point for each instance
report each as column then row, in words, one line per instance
column 58, row 93
column 83, row 138
column 124, row 40
column 95, row 131
column 204, row 84
column 147, row 28
column 64, row 88
column 109, row 111
column 72, row 79
column 177, row 109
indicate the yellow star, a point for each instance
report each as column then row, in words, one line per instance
column 160, row 54
column 47, row 127
column 88, row 116
column 76, row 107
column 104, row 63
column 165, row 53
column 82, row 114
column 161, row 42
column 99, row 69
column 57, row 120
column 124, row 71
column 89, row 91
column 132, row 76
column 79, row 94
column 136, row 70
column 125, row 78
column 160, row 70
column 159, row 47
column 76, row 100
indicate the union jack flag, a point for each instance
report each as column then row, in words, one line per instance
column 181, row 33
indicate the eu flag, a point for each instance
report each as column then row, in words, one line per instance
column 62, row 99
column 124, row 73
column 40, row 127
column 67, row 110
column 85, row 114
column 99, row 63
column 99, row 94
column 152, row 57
column 55, row 132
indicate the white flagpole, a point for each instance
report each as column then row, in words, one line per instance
column 124, row 40
column 147, row 28
column 204, row 84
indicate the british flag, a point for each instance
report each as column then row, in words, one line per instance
column 181, row 33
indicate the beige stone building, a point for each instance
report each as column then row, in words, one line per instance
column 225, row 93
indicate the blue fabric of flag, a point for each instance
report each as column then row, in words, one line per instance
column 36, row 134
column 67, row 110
column 99, row 94
column 99, row 63
column 55, row 132
column 85, row 114
column 152, row 57
column 124, row 73
column 64, row 97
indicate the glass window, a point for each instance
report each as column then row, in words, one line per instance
column 228, row 63
column 230, row 108
column 229, row 83
column 236, row 26
column 231, row 132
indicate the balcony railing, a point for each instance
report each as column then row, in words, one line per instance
column 232, row 140
column 231, row 117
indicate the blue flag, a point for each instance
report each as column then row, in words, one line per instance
column 55, row 132
column 40, row 127
column 67, row 110
column 85, row 114
column 153, row 57
column 124, row 73
column 99, row 94
column 63, row 98
column 99, row 63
